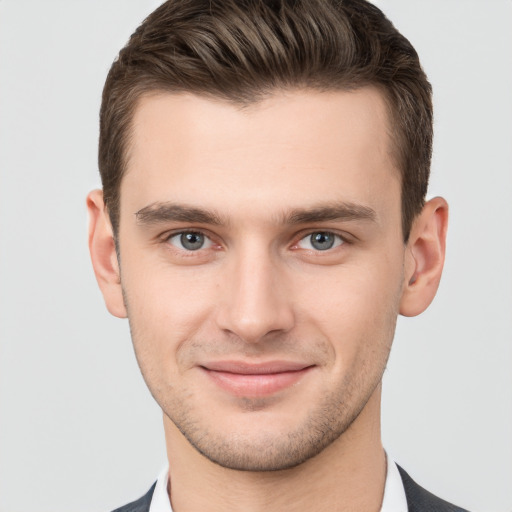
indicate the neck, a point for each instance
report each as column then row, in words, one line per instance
column 349, row 475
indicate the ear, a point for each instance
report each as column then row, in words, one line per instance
column 424, row 258
column 103, row 254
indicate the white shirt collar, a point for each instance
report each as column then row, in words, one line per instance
column 160, row 501
column 394, row 494
column 394, row 499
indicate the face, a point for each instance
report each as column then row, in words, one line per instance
column 261, row 263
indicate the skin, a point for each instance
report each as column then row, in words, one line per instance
column 256, row 183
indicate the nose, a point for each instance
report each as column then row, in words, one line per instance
column 255, row 300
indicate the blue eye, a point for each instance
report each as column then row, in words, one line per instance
column 320, row 241
column 190, row 241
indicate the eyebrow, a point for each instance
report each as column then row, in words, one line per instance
column 157, row 213
column 161, row 212
column 331, row 212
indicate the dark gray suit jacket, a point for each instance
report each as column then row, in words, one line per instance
column 418, row 499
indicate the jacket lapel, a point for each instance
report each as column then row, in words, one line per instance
column 141, row 505
column 420, row 500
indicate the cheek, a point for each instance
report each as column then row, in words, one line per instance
column 165, row 309
column 355, row 309
column 165, row 294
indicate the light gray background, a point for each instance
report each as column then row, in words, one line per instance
column 78, row 430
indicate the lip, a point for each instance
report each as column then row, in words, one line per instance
column 243, row 379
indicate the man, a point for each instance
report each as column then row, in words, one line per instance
column 262, row 223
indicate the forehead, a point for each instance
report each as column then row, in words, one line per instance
column 293, row 147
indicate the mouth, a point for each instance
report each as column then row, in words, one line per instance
column 243, row 379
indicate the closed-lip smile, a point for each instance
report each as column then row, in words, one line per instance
column 244, row 379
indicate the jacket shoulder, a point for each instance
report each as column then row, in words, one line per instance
column 140, row 505
column 420, row 500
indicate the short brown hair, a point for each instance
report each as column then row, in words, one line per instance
column 243, row 50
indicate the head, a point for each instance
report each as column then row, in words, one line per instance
column 262, row 222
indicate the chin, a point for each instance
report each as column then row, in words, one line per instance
column 260, row 445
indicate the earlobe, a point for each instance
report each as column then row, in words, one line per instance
column 424, row 259
column 103, row 254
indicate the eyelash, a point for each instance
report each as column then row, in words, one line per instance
column 339, row 240
column 308, row 238
column 169, row 237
